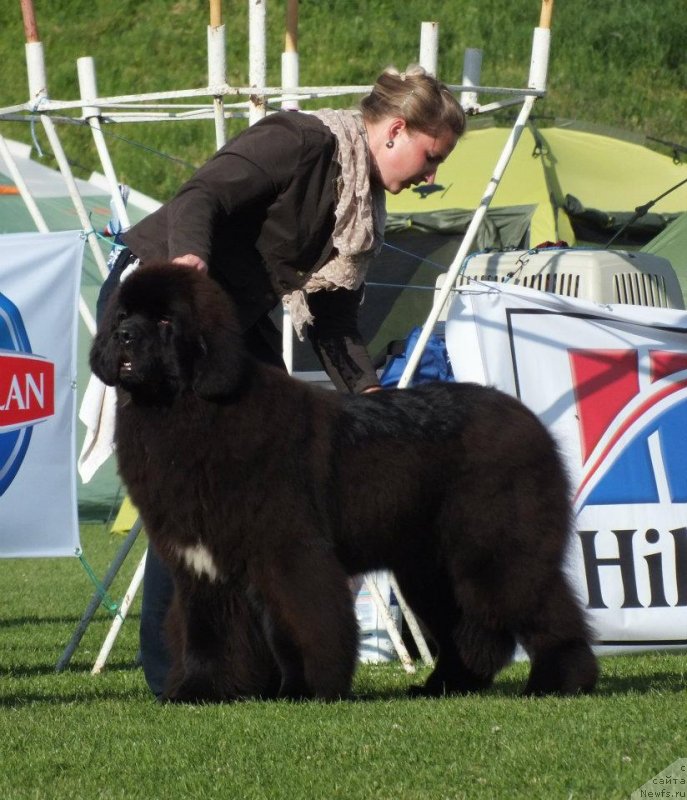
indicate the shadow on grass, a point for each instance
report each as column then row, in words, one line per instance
column 507, row 686
column 24, row 699
column 100, row 617
column 663, row 681
column 660, row 680
column 18, row 622
column 77, row 668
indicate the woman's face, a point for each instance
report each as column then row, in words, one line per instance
column 414, row 157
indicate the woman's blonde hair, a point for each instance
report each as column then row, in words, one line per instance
column 426, row 104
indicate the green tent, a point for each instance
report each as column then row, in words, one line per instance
column 671, row 243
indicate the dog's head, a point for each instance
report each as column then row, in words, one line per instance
column 169, row 329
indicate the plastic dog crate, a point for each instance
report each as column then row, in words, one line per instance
column 605, row 276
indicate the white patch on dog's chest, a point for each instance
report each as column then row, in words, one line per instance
column 199, row 560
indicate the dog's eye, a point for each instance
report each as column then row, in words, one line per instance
column 164, row 325
column 121, row 316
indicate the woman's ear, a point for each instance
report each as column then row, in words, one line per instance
column 395, row 126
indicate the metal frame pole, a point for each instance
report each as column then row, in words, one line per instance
column 97, row 597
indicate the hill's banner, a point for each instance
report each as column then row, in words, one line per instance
column 610, row 382
column 39, row 291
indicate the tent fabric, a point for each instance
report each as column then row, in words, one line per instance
column 672, row 244
column 602, row 172
column 503, row 228
column 612, row 174
column 623, row 228
column 463, row 177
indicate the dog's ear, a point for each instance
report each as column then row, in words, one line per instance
column 104, row 356
column 220, row 365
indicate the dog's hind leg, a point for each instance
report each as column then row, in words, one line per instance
column 468, row 656
column 311, row 623
column 556, row 639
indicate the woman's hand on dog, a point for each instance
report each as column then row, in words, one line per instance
column 190, row 260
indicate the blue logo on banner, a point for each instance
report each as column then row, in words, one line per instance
column 632, row 476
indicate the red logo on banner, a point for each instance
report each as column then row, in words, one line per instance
column 605, row 381
column 27, row 389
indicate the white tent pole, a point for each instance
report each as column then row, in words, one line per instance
column 38, row 90
column 429, row 46
column 289, row 79
column 287, row 338
column 541, row 45
column 35, row 63
column 290, row 76
column 88, row 88
column 275, row 94
column 24, row 190
column 413, row 624
column 466, row 244
column 217, row 67
column 390, row 624
column 66, row 171
column 537, row 80
column 257, row 66
column 472, row 70
column 118, row 621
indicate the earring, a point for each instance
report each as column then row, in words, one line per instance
column 390, row 143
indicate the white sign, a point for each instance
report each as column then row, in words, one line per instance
column 610, row 382
column 39, row 291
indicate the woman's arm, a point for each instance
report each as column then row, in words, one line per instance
column 337, row 341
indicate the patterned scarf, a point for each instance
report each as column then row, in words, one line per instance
column 360, row 216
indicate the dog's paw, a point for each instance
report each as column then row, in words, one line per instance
column 194, row 691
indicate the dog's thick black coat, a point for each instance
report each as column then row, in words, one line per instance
column 263, row 495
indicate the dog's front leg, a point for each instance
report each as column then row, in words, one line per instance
column 197, row 644
column 310, row 620
column 218, row 644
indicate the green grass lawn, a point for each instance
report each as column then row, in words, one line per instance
column 75, row 735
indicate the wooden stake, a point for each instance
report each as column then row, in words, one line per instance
column 546, row 13
column 29, row 17
column 291, row 38
column 215, row 13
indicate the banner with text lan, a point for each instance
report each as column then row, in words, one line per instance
column 39, row 291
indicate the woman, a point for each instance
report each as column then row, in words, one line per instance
column 294, row 208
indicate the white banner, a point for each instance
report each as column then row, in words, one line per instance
column 39, row 292
column 610, row 382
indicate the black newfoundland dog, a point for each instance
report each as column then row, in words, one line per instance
column 263, row 495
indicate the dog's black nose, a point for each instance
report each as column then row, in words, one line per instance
column 124, row 335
